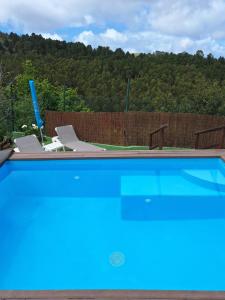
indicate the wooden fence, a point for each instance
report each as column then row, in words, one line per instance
column 133, row 128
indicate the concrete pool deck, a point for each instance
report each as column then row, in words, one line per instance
column 4, row 155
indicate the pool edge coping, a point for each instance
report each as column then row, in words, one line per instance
column 113, row 294
column 119, row 154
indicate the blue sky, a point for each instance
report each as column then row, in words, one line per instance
column 134, row 25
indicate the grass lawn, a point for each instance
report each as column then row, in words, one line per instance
column 130, row 148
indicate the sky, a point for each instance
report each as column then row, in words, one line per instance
column 133, row 25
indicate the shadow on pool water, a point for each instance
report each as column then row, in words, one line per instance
column 141, row 208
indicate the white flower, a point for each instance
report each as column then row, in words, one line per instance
column 34, row 126
column 24, row 126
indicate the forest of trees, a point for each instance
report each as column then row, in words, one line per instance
column 72, row 76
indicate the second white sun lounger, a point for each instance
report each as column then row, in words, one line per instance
column 69, row 139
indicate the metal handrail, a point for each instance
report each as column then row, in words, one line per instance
column 161, row 131
column 221, row 143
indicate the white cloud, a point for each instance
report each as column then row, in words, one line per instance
column 114, row 36
column 110, row 37
column 86, row 37
column 150, row 41
column 195, row 18
column 52, row 36
column 52, row 14
column 185, row 43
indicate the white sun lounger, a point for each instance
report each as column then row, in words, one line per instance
column 31, row 144
column 69, row 139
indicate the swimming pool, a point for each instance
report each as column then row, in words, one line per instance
column 113, row 224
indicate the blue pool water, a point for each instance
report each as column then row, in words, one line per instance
column 153, row 224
